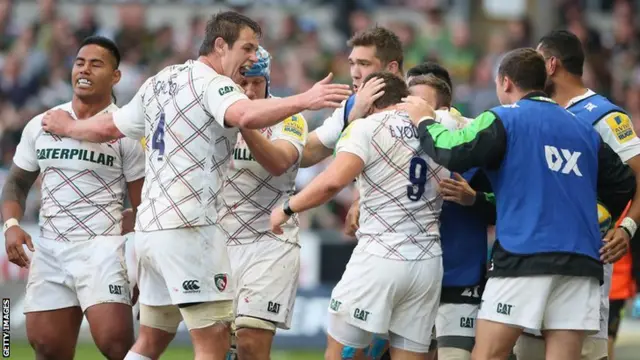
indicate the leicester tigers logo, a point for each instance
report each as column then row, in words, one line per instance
column 221, row 281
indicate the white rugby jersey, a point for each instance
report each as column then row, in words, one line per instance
column 330, row 130
column 180, row 112
column 627, row 148
column 399, row 200
column 251, row 192
column 83, row 184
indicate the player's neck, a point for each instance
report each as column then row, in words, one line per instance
column 567, row 89
column 85, row 110
column 215, row 65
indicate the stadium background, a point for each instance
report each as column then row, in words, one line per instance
column 38, row 40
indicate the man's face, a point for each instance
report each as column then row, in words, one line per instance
column 549, row 85
column 254, row 87
column 427, row 93
column 241, row 56
column 94, row 73
column 362, row 62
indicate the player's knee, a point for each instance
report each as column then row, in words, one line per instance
column 115, row 349
column 208, row 314
column 49, row 349
column 165, row 318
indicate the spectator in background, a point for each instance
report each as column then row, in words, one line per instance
column 8, row 29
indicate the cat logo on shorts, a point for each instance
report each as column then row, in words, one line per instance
column 221, row 281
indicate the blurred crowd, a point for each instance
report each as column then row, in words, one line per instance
column 36, row 58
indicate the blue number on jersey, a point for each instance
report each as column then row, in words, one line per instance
column 418, row 178
column 157, row 142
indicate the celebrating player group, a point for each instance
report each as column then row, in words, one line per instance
column 215, row 206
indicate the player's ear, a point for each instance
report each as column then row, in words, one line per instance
column 393, row 67
column 220, row 46
column 551, row 64
column 117, row 75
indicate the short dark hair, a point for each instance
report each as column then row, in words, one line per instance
column 395, row 89
column 525, row 68
column 431, row 67
column 104, row 43
column 443, row 91
column 566, row 47
column 388, row 45
column 226, row 25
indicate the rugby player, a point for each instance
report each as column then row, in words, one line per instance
column 537, row 260
column 189, row 114
column 78, row 264
column 564, row 59
column 373, row 50
column 264, row 266
column 392, row 282
column 463, row 272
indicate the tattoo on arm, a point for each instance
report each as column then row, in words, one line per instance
column 17, row 185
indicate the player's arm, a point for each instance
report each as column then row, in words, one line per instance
column 15, row 191
column 616, row 186
column 482, row 143
column 133, row 168
column 616, row 130
column 282, row 152
column 485, row 200
column 258, row 114
column 352, row 155
column 126, row 121
column 22, row 175
column 325, row 186
column 323, row 140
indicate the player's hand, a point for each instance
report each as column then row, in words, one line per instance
column 57, row 122
column 15, row 238
column 457, row 190
column 324, row 94
column 371, row 91
column 616, row 245
column 278, row 217
column 128, row 221
column 417, row 108
column 352, row 222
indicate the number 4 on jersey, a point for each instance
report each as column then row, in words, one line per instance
column 157, row 142
column 417, row 177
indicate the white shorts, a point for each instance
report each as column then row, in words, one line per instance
column 78, row 273
column 380, row 295
column 181, row 266
column 456, row 320
column 266, row 279
column 547, row 302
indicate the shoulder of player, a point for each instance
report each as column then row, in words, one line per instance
column 34, row 126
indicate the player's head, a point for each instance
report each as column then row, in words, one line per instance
column 563, row 54
column 395, row 89
column 521, row 71
column 430, row 67
column 256, row 80
column 95, row 70
column 375, row 49
column 434, row 90
column 231, row 39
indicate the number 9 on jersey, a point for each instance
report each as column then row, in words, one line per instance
column 417, row 177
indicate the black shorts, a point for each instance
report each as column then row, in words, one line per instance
column 615, row 316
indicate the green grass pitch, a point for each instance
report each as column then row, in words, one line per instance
column 22, row 351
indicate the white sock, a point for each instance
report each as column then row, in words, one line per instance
column 134, row 356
